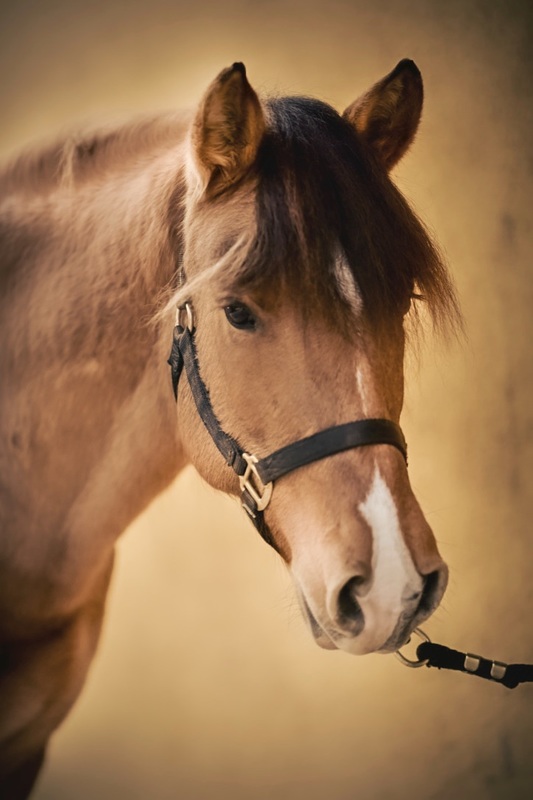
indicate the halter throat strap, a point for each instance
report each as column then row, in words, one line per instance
column 257, row 475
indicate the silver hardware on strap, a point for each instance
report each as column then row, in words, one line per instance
column 472, row 662
column 498, row 670
column 252, row 483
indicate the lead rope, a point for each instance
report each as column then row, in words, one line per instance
column 430, row 654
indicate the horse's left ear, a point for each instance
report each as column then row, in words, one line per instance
column 227, row 130
column 387, row 116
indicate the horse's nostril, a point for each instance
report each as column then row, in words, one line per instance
column 350, row 613
column 431, row 592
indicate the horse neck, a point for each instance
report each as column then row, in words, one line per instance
column 86, row 384
column 106, row 244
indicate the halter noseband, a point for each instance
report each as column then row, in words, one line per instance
column 257, row 475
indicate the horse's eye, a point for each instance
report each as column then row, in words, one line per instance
column 240, row 316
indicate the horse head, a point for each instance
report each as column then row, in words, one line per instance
column 302, row 261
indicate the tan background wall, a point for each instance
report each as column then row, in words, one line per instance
column 206, row 684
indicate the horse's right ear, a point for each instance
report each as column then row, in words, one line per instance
column 386, row 118
column 227, row 130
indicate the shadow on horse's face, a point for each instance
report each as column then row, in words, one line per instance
column 281, row 364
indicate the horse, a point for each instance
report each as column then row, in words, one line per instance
column 296, row 266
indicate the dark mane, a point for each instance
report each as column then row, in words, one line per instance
column 320, row 195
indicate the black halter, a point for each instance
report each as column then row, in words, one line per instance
column 257, row 475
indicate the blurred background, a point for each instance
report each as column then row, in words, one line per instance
column 206, row 684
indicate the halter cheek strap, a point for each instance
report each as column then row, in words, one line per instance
column 257, row 475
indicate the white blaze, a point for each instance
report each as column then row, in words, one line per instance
column 395, row 579
column 361, row 390
column 346, row 283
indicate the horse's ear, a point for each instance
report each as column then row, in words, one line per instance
column 227, row 130
column 387, row 116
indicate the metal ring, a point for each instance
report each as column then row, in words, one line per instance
column 185, row 310
column 408, row 662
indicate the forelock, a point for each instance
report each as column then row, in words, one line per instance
column 330, row 226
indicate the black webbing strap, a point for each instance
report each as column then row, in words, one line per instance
column 258, row 519
column 183, row 354
column 328, row 442
column 441, row 657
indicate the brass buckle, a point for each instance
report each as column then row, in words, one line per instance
column 188, row 322
column 252, row 483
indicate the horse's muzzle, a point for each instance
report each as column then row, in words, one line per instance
column 378, row 630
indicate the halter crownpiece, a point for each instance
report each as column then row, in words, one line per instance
column 257, row 475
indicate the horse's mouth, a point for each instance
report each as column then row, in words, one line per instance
column 328, row 639
column 400, row 635
column 408, row 622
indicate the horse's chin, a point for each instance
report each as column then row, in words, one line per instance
column 319, row 634
column 349, row 645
